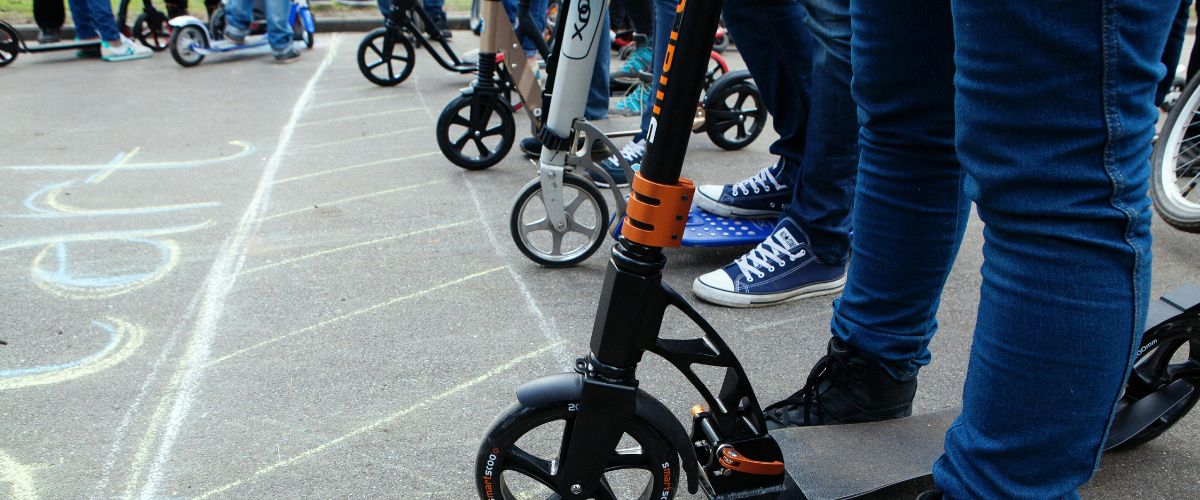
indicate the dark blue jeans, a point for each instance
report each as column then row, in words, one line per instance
column 804, row 77
column 1041, row 113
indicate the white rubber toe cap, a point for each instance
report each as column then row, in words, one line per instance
column 710, row 191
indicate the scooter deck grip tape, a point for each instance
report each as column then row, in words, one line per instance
column 843, row 461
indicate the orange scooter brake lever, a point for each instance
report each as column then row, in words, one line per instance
column 733, row 460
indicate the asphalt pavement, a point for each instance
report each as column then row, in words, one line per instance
column 250, row 280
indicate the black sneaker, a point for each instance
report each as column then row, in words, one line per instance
column 762, row 195
column 531, row 147
column 443, row 28
column 49, row 35
column 844, row 388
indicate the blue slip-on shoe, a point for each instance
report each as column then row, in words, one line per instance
column 779, row 269
column 763, row 194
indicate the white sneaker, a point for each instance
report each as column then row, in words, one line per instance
column 125, row 52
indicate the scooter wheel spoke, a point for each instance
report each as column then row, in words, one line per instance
column 483, row 148
column 493, row 131
column 376, row 50
column 460, row 121
column 462, row 141
column 375, row 64
column 526, row 463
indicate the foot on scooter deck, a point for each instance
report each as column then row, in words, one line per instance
column 845, row 461
column 710, row 230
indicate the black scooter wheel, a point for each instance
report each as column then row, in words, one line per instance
column 643, row 466
column 153, row 31
column 385, row 57
column 734, row 114
column 537, row 238
column 8, row 45
column 183, row 42
column 476, row 130
column 1176, row 357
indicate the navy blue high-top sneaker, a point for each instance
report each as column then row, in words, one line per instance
column 762, row 195
column 779, row 269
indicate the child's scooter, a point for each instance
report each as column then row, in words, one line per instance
column 192, row 40
column 385, row 55
column 602, row 432
column 11, row 44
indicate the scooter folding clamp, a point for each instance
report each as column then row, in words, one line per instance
column 657, row 214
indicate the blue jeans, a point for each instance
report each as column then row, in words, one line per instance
column 804, row 77
column 1041, row 113
column 598, row 91
column 539, row 21
column 664, row 20
column 94, row 18
column 1171, row 53
column 279, row 30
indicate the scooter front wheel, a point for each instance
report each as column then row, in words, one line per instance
column 586, row 221
column 522, row 454
column 153, row 31
column 9, row 47
column 184, row 42
column 385, row 57
column 478, row 121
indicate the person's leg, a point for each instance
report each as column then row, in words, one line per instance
column 83, row 21
column 909, row 215
column 1054, row 132
column 385, row 6
column 598, row 92
column 778, row 50
column 1170, row 55
column 94, row 17
column 279, row 30
column 238, row 15
column 805, row 83
column 49, row 14
column 664, row 20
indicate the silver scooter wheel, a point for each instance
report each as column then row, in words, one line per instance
column 535, row 235
column 184, row 42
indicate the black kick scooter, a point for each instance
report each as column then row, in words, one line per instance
column 608, row 439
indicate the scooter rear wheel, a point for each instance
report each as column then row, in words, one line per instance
column 153, row 31
column 523, row 451
column 480, row 121
column 183, row 43
column 734, row 113
column 1175, row 357
column 385, row 58
column 8, row 45
column 587, row 220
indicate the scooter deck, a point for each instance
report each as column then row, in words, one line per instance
column 710, row 230
column 845, row 461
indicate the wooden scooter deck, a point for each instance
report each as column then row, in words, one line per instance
column 845, row 461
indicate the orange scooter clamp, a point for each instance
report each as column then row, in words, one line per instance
column 656, row 214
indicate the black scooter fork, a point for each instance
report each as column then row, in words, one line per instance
column 634, row 301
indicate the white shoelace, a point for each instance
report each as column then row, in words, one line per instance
column 634, row 150
column 768, row 252
column 763, row 180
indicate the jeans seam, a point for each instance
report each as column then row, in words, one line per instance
column 1109, row 31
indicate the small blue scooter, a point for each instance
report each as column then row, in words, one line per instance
column 192, row 39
